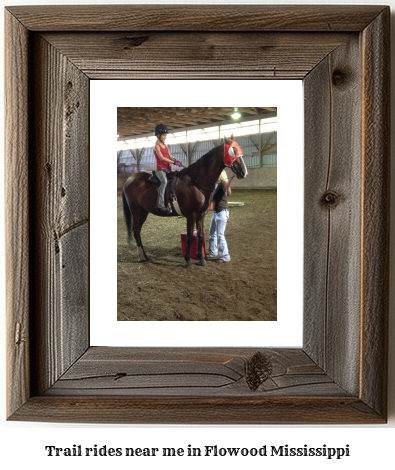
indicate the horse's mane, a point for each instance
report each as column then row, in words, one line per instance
column 205, row 160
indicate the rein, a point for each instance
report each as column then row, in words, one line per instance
column 203, row 188
column 197, row 182
column 199, row 186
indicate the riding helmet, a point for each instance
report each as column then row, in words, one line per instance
column 161, row 129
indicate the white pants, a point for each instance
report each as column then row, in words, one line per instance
column 218, row 245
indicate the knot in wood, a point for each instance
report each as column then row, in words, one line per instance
column 259, row 369
column 340, row 77
column 135, row 41
column 330, row 199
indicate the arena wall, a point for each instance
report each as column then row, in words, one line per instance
column 257, row 178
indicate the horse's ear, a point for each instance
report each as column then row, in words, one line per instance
column 228, row 142
column 231, row 137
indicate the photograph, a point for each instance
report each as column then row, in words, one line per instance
column 197, row 189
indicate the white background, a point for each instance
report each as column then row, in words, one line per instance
column 22, row 444
column 106, row 95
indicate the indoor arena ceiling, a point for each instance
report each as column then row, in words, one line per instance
column 140, row 121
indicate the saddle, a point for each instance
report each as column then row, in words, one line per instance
column 172, row 181
column 154, row 179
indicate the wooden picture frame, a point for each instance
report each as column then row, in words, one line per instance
column 340, row 374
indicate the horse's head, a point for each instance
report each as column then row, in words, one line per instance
column 233, row 158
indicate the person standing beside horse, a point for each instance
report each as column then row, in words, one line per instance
column 217, row 243
column 164, row 159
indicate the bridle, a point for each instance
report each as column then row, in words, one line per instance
column 231, row 166
column 228, row 154
column 231, row 152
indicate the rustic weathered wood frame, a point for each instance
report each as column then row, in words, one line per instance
column 340, row 374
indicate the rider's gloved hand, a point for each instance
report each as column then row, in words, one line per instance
column 176, row 162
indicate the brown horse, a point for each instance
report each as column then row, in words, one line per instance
column 193, row 192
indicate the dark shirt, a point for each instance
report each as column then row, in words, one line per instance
column 220, row 197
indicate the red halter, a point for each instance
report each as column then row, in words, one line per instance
column 231, row 152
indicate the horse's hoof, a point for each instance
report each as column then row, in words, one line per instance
column 188, row 263
column 202, row 262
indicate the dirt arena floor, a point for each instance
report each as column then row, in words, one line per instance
column 163, row 289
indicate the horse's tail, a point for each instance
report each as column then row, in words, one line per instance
column 127, row 214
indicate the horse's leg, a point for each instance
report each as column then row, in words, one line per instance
column 190, row 226
column 139, row 216
column 128, row 215
column 143, row 218
column 200, row 227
